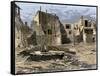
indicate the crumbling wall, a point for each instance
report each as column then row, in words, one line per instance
column 85, row 24
column 47, row 25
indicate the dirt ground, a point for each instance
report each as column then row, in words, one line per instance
column 85, row 58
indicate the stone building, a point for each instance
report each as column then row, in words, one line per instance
column 47, row 28
column 21, row 30
column 18, row 25
column 50, row 31
column 86, row 30
column 82, row 31
column 69, row 31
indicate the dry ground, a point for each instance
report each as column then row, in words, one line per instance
column 85, row 58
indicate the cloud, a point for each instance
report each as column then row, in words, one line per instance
column 66, row 13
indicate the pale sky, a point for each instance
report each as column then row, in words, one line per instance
column 66, row 13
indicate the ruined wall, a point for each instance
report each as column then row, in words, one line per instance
column 86, row 24
column 21, row 31
column 47, row 27
column 69, row 31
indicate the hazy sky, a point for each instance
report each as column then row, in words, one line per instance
column 66, row 13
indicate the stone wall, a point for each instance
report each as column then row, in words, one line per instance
column 47, row 25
